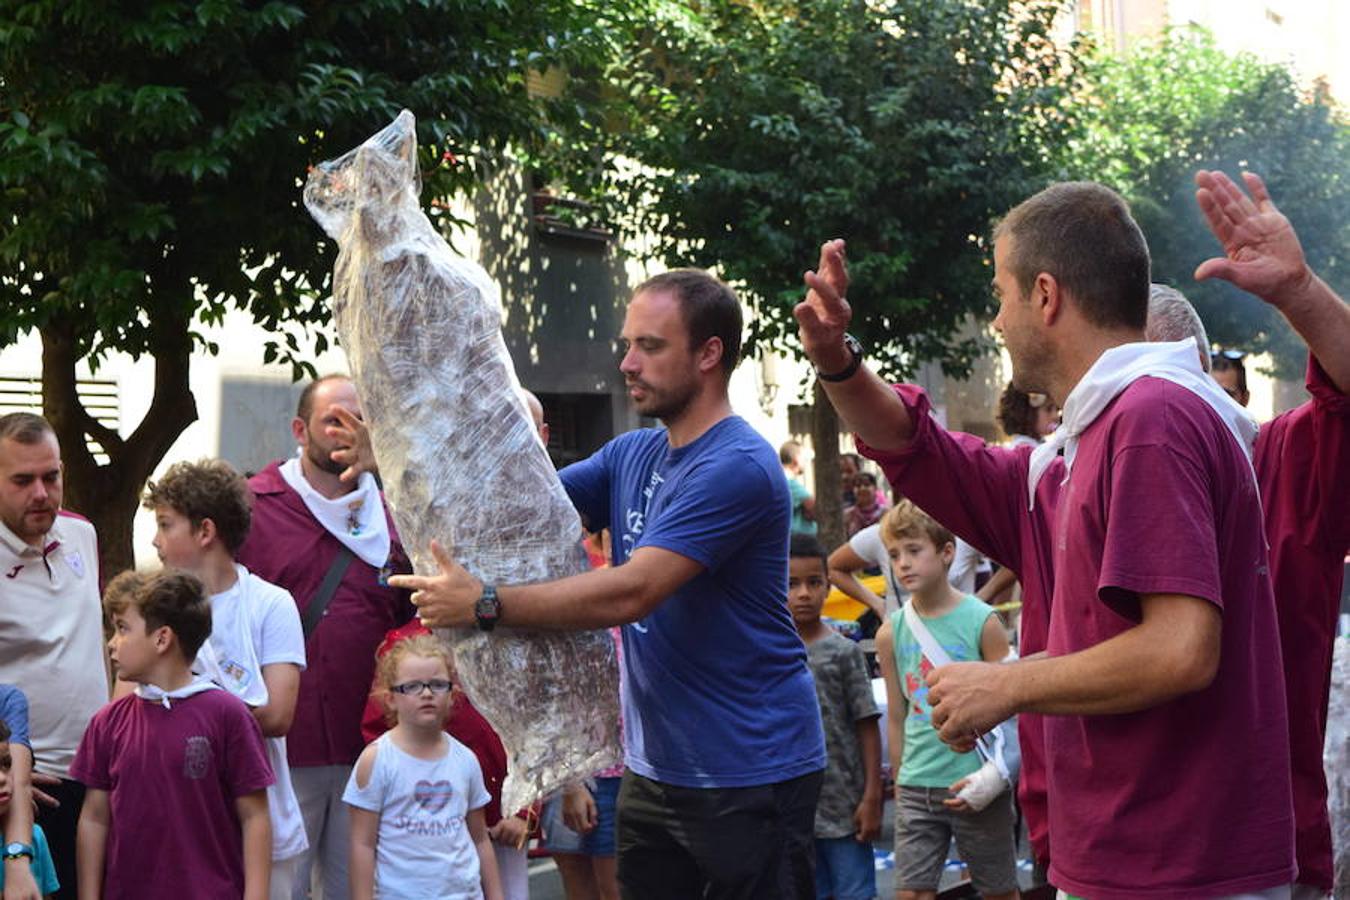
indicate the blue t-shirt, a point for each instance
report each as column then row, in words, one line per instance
column 716, row 690
column 44, row 870
column 14, row 713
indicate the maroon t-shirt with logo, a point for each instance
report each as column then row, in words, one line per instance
column 173, row 775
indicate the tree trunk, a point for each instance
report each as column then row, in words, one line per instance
column 108, row 495
column 829, row 492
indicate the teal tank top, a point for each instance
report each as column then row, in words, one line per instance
column 927, row 761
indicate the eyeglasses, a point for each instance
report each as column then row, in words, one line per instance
column 435, row 685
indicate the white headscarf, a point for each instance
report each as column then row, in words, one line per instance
column 1115, row 370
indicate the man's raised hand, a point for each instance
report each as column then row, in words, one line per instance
column 823, row 317
column 1262, row 254
column 355, row 452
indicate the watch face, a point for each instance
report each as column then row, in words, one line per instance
column 487, row 608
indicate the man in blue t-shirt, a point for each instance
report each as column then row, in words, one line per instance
column 723, row 743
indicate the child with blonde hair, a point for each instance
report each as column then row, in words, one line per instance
column 417, row 794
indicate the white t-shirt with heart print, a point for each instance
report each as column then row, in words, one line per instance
column 423, row 848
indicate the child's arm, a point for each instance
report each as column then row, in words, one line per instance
column 283, row 687
column 487, row 858
column 19, row 881
column 897, row 706
column 363, row 827
column 256, row 827
column 867, row 817
column 91, row 843
column 363, row 831
column 994, row 644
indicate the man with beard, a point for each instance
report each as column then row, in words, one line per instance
column 51, row 637
column 331, row 543
column 1161, row 684
column 723, row 744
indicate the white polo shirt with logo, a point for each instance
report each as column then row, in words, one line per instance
column 51, row 636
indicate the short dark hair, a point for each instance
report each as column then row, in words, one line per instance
column 802, row 546
column 787, row 454
column 24, row 427
column 207, row 489
column 865, row 476
column 171, row 599
column 305, row 407
column 709, row 307
column 1082, row 233
column 1016, row 415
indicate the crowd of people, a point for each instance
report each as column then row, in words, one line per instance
column 282, row 724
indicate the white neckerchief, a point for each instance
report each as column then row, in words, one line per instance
column 356, row 519
column 1115, row 370
column 152, row 694
column 241, row 675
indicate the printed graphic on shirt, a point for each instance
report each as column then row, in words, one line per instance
column 236, row 673
column 634, row 521
column 197, row 757
column 432, row 795
column 76, row 563
column 14, row 572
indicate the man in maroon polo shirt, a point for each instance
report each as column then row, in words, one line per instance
column 310, row 525
column 1161, row 685
column 1302, row 461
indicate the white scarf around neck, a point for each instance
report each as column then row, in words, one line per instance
column 1115, row 370
column 356, row 519
column 155, row 694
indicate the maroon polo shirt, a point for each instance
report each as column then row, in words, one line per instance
column 1302, row 464
column 287, row 546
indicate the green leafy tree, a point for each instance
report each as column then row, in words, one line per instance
column 151, row 158
column 762, row 129
column 1179, row 104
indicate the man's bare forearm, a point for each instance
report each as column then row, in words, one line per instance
column 869, row 407
column 1322, row 319
column 1132, row 671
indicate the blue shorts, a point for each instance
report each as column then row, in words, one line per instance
column 558, row 838
column 845, row 869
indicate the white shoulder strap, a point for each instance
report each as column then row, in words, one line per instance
column 927, row 643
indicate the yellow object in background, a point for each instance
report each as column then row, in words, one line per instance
column 841, row 606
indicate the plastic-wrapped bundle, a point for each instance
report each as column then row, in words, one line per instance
column 1336, row 760
column 460, row 458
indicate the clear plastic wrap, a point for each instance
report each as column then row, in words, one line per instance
column 460, row 458
column 1336, row 760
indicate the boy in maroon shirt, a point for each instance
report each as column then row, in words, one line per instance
column 176, row 774
column 1162, row 681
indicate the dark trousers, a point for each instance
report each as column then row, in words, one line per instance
column 750, row 843
column 60, row 825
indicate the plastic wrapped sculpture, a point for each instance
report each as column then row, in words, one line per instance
column 459, row 456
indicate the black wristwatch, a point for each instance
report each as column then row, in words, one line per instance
column 488, row 609
column 16, row 850
column 854, row 347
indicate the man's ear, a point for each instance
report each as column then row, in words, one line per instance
column 1048, row 297
column 298, row 429
column 710, row 355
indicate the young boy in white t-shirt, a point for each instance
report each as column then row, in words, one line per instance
column 256, row 650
